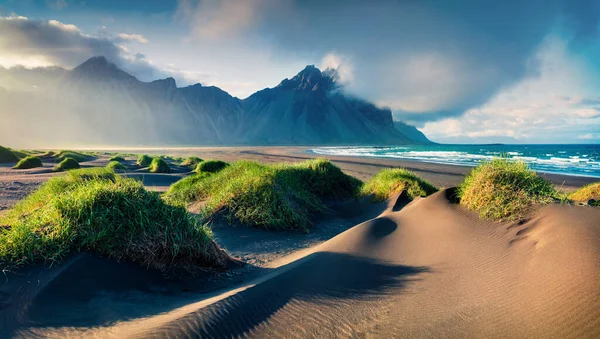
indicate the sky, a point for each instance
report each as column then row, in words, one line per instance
column 461, row 71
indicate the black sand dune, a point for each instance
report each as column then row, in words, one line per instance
column 429, row 269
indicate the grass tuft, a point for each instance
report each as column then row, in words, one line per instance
column 144, row 160
column 80, row 157
column 117, row 158
column 29, row 162
column 272, row 197
column 504, row 190
column 388, row 182
column 586, row 194
column 116, row 166
column 21, row 154
column 159, row 165
column 66, row 165
column 97, row 211
column 191, row 162
column 7, row 155
column 211, row 166
column 187, row 190
column 48, row 154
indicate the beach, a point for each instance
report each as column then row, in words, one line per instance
column 15, row 185
column 397, row 268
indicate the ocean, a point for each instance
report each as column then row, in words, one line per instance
column 581, row 160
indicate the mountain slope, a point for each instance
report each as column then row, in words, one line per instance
column 158, row 112
column 411, row 132
column 309, row 109
column 98, row 103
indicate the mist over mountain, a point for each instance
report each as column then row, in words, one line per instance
column 97, row 103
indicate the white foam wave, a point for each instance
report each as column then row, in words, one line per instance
column 545, row 162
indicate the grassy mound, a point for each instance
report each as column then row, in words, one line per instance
column 21, row 154
column 587, row 193
column 66, row 165
column 94, row 210
column 80, row 157
column 391, row 181
column 273, row 197
column 116, row 166
column 504, row 190
column 211, row 166
column 158, row 165
column 7, row 155
column 172, row 158
column 191, row 162
column 48, row 154
column 29, row 162
column 117, row 158
column 144, row 160
column 187, row 190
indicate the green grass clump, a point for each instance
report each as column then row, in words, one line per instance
column 96, row 211
column 7, row 155
column 116, row 166
column 388, row 182
column 158, row 165
column 272, row 197
column 80, row 157
column 29, row 162
column 587, row 193
column 117, row 158
column 66, row 165
column 187, row 190
column 324, row 179
column 21, row 154
column 144, row 160
column 172, row 158
column 504, row 190
column 48, row 154
column 211, row 166
column 191, row 162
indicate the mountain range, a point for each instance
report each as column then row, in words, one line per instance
column 97, row 103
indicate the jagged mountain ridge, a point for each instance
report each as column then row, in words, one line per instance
column 102, row 104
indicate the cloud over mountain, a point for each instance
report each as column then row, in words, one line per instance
column 425, row 59
column 39, row 43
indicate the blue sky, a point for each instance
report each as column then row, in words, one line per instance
column 462, row 71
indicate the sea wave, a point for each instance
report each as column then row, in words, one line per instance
column 571, row 162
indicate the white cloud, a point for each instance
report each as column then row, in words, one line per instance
column 40, row 43
column 587, row 113
column 589, row 136
column 341, row 64
column 425, row 81
column 549, row 106
column 133, row 37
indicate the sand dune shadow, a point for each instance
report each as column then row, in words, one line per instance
column 320, row 276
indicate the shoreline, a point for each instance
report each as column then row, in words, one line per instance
column 450, row 164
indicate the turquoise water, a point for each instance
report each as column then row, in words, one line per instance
column 583, row 160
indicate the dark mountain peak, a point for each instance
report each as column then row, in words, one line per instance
column 167, row 84
column 310, row 79
column 100, row 67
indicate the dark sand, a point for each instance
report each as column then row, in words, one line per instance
column 426, row 269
